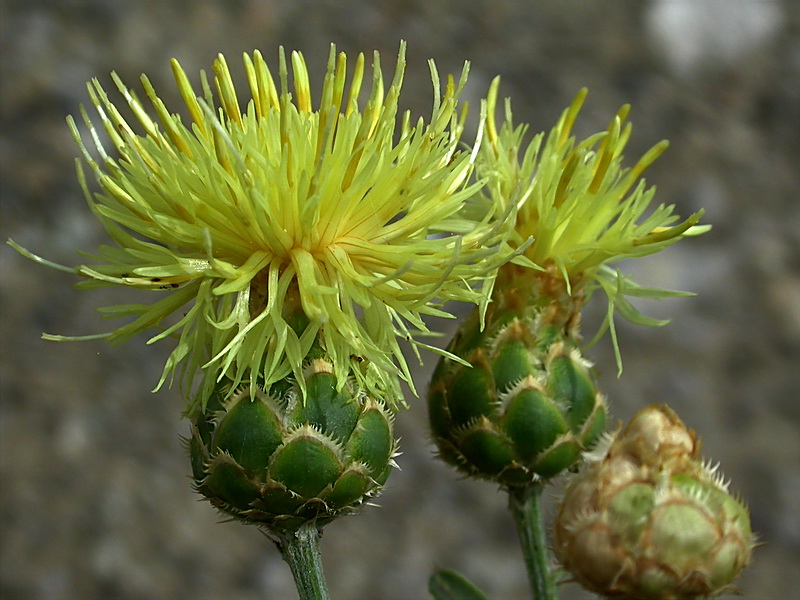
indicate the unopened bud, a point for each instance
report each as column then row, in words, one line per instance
column 648, row 520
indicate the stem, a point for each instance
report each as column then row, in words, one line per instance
column 524, row 504
column 300, row 549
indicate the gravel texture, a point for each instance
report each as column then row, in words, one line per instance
column 95, row 500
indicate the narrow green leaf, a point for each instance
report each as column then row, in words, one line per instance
column 449, row 585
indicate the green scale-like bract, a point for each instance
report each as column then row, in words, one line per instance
column 278, row 460
column 527, row 406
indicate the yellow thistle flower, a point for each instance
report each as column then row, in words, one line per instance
column 243, row 220
column 582, row 208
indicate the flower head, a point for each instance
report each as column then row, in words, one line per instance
column 582, row 208
column 275, row 227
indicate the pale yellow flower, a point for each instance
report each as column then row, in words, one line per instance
column 270, row 227
column 581, row 207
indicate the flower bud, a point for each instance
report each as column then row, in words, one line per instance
column 649, row 520
column 279, row 461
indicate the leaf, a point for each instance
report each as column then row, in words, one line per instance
column 449, row 585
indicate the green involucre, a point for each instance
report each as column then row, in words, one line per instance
column 276, row 460
column 526, row 405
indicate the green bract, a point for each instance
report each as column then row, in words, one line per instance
column 273, row 459
column 647, row 519
column 526, row 405
column 222, row 216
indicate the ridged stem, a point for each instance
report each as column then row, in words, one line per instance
column 525, row 505
column 301, row 551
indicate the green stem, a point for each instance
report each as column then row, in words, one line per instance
column 301, row 551
column 525, row 506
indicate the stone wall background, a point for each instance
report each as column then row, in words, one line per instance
column 95, row 500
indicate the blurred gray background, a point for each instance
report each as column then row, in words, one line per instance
column 95, row 500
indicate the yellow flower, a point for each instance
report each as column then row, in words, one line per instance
column 274, row 227
column 582, row 208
